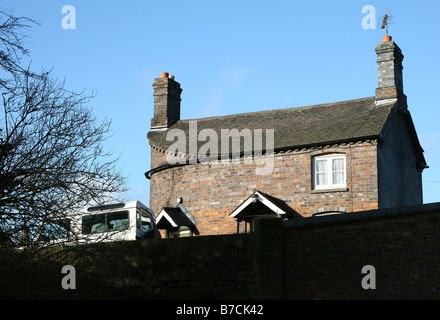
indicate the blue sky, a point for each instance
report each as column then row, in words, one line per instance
column 232, row 57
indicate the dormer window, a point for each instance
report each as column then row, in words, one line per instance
column 329, row 172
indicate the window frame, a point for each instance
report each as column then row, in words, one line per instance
column 329, row 172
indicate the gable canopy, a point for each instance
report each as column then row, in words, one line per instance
column 260, row 203
column 173, row 218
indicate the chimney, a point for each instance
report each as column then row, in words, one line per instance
column 389, row 63
column 166, row 102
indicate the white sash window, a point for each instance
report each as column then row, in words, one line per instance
column 329, row 172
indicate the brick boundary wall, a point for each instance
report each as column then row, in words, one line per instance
column 310, row 258
column 323, row 258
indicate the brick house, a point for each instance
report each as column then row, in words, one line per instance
column 338, row 157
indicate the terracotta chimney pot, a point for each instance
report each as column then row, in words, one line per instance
column 386, row 38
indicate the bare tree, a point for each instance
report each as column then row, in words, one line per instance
column 51, row 154
column 12, row 33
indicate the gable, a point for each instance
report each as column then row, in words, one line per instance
column 409, row 133
column 414, row 139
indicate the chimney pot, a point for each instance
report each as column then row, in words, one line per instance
column 386, row 38
column 164, row 75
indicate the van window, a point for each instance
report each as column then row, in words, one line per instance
column 104, row 222
column 55, row 229
column 146, row 224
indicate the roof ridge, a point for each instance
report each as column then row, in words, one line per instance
column 280, row 109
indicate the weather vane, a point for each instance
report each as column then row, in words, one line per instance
column 385, row 19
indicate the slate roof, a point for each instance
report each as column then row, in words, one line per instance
column 299, row 127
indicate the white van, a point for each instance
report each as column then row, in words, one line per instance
column 113, row 222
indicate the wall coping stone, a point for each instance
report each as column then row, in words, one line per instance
column 361, row 216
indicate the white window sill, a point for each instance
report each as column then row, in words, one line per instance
column 329, row 190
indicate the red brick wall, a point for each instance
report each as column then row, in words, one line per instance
column 210, row 192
